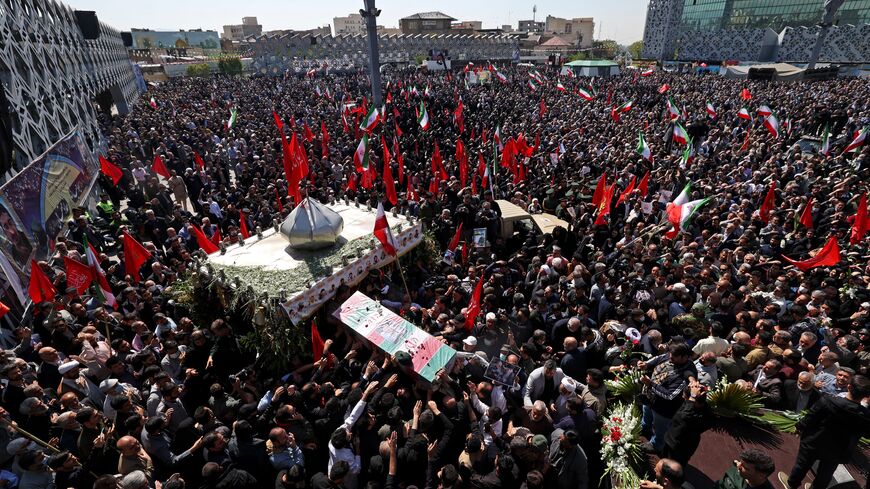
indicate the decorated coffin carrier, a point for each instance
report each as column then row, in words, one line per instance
column 317, row 248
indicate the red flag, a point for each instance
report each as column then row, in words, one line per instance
column 351, row 183
column 324, row 140
column 78, row 275
column 198, row 159
column 745, row 141
column 41, row 289
column 435, row 185
column 207, row 246
column 289, row 172
column 300, row 157
column 745, row 95
column 216, row 237
column 861, row 224
column 389, row 183
column 3, row 309
column 397, row 152
column 609, row 95
column 278, row 121
column 537, row 142
column 243, row 225
column 411, row 193
column 600, row 189
column 306, row 132
column 625, row 193
column 455, row 241
column 643, row 187
column 382, row 231
column 474, row 306
column 159, row 167
column 317, row 344
column 473, row 184
column 278, row 199
column 604, row 208
column 614, row 114
column 135, row 255
column 508, row 154
column 807, row 215
column 438, row 164
column 543, row 109
column 398, row 129
column 110, row 170
column 664, row 88
column 462, row 158
column 768, row 204
column 828, row 256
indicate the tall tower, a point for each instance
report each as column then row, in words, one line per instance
column 534, row 12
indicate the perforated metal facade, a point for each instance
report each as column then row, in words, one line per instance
column 51, row 74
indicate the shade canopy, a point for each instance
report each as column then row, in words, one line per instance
column 312, row 226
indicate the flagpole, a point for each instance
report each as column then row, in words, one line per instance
column 402, row 274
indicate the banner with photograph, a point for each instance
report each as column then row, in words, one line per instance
column 391, row 333
column 36, row 203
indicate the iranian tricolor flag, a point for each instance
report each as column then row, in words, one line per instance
column 501, row 77
column 382, row 231
column 585, row 94
column 673, row 110
column 859, row 141
column 764, row 111
column 825, row 149
column 688, row 155
column 370, row 121
column 103, row 290
column 643, row 148
column 626, row 106
column 648, row 72
column 153, row 103
column 684, row 195
column 560, row 87
column 772, row 125
column 744, row 113
column 680, row 215
column 233, row 116
column 680, row 134
column 711, row 111
column 361, row 155
column 532, row 85
column 423, row 117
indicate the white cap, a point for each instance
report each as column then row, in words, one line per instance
column 470, row 341
column 67, row 366
column 569, row 384
column 490, row 315
column 108, row 385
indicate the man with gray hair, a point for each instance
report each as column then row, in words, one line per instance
column 800, row 395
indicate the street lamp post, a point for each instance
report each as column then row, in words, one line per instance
column 370, row 13
column 831, row 7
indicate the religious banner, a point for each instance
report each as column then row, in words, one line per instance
column 36, row 203
column 391, row 333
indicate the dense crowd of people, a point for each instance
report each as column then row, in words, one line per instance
column 141, row 396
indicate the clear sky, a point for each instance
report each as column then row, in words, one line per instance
column 621, row 20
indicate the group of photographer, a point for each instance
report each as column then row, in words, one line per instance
column 142, row 395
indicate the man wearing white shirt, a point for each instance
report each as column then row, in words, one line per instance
column 713, row 343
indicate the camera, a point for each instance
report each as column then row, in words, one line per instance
column 241, row 376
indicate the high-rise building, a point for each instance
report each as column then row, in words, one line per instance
column 756, row 30
column 239, row 32
column 352, row 24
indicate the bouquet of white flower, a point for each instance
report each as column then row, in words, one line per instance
column 620, row 445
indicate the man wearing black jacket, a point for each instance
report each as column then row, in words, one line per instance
column 829, row 434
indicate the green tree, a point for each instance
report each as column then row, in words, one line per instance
column 577, row 56
column 230, row 65
column 635, row 49
column 198, row 69
column 605, row 49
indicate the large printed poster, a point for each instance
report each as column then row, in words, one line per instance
column 389, row 332
column 36, row 203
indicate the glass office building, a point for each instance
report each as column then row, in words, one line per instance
column 773, row 14
column 759, row 30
